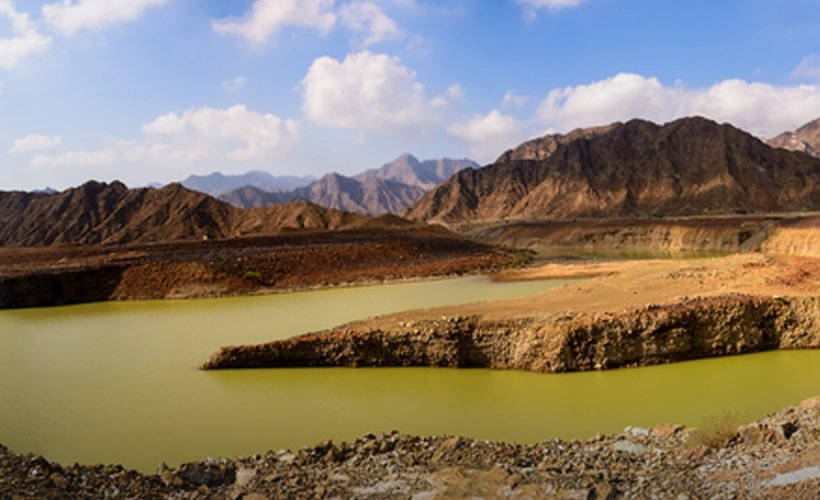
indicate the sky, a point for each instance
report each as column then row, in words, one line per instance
column 149, row 91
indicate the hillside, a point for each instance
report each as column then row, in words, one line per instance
column 392, row 188
column 99, row 213
column 805, row 139
column 691, row 166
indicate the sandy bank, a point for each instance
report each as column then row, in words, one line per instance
column 639, row 313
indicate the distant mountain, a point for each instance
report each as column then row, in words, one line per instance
column 805, row 139
column 686, row 167
column 99, row 213
column 407, row 169
column 217, row 183
column 392, row 188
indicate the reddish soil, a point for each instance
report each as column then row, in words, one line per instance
column 302, row 259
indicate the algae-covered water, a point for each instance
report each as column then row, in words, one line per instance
column 117, row 382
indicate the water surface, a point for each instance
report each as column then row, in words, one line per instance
column 117, row 382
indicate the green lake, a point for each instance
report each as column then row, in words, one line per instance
column 117, row 382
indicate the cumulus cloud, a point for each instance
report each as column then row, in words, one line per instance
column 760, row 108
column 366, row 92
column 235, row 84
column 24, row 41
column 35, row 142
column 252, row 134
column 808, row 68
column 82, row 158
column 488, row 135
column 267, row 17
column 369, row 21
column 72, row 16
column 453, row 94
column 200, row 137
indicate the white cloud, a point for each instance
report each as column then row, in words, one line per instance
column 35, row 142
column 531, row 7
column 760, row 108
column 266, row 17
column 235, row 84
column 488, row 135
column 72, row 16
column 370, row 21
column 513, row 100
column 248, row 135
column 453, row 93
column 81, row 158
column 366, row 92
column 201, row 138
column 25, row 40
column 809, row 67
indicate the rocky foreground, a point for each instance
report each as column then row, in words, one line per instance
column 776, row 457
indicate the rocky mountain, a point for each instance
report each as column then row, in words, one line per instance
column 407, row 169
column 805, row 139
column 392, row 188
column 217, row 183
column 686, row 167
column 99, row 213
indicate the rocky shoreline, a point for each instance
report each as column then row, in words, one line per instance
column 653, row 334
column 776, row 457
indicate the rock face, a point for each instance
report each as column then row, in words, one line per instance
column 805, row 139
column 770, row 458
column 390, row 189
column 655, row 334
column 691, row 166
column 217, row 184
column 99, row 213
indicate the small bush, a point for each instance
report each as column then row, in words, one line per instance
column 522, row 258
column 253, row 275
column 716, row 432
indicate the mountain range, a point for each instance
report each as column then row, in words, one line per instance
column 392, row 188
column 690, row 166
column 100, row 213
column 217, row 184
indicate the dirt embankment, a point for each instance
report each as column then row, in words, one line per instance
column 784, row 234
column 699, row 328
column 53, row 276
column 775, row 457
column 635, row 313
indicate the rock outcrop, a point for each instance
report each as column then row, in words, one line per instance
column 697, row 328
column 691, row 166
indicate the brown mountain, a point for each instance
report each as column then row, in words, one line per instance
column 99, row 213
column 805, row 139
column 686, row 167
column 392, row 188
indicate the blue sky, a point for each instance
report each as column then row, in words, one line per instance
column 154, row 90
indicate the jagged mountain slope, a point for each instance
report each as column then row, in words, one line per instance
column 686, row 167
column 99, row 213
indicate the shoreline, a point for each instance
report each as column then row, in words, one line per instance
column 775, row 456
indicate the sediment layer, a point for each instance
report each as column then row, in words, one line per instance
column 694, row 328
column 775, row 457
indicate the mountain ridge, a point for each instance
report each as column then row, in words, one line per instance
column 690, row 166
